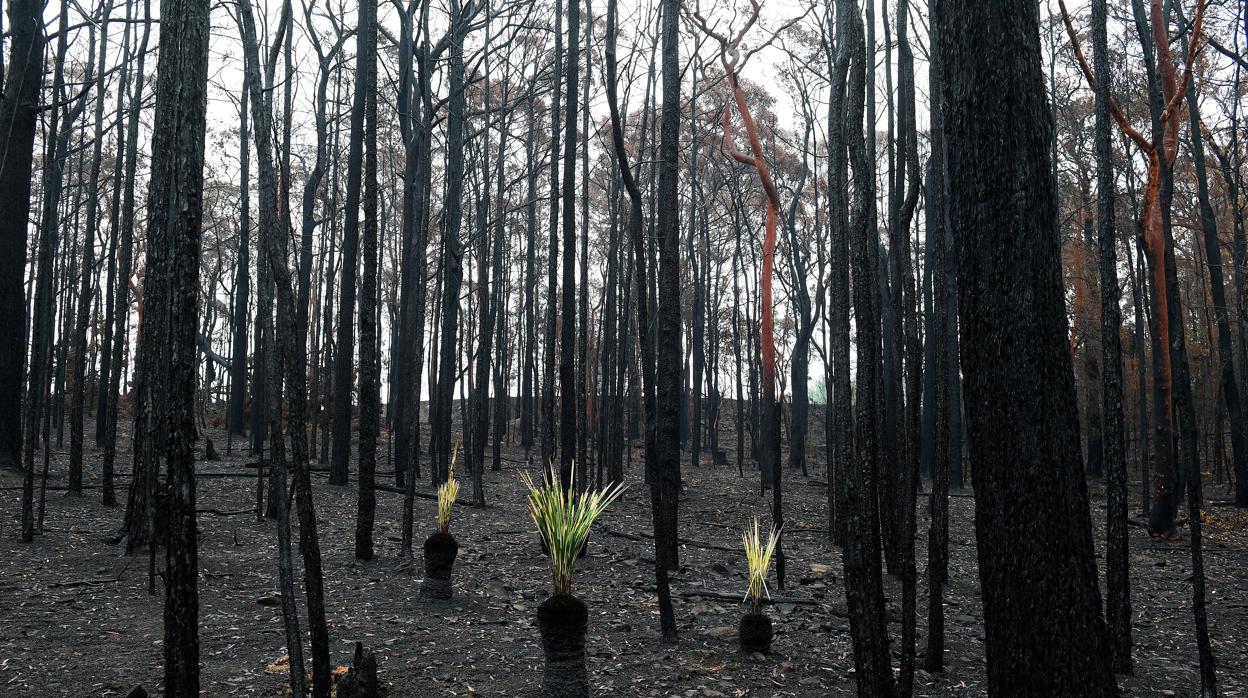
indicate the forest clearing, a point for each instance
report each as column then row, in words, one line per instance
column 82, row 600
column 624, row 347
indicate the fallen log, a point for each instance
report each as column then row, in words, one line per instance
column 740, row 598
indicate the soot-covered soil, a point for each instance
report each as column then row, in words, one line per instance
column 76, row 619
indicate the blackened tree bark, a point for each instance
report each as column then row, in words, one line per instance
column 452, row 251
column 669, row 366
column 165, row 413
column 344, row 355
column 87, row 286
column 839, row 392
column 489, row 262
column 1213, row 252
column 366, row 80
column 38, row 413
column 114, row 240
column 416, row 262
column 18, row 118
column 583, row 396
column 863, row 584
column 1239, row 255
column 311, row 190
column 235, row 414
column 273, row 254
column 404, row 408
column 528, row 381
column 1230, row 389
column 807, row 316
column 552, row 258
column 1044, row 630
column 567, row 326
column 667, row 619
column 125, row 263
column 912, row 348
column 939, row 251
column 1118, row 590
column 287, row 362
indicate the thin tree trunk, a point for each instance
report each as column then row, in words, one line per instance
column 636, row 217
column 165, row 408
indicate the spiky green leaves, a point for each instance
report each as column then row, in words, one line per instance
column 563, row 517
column 758, row 554
column 447, row 492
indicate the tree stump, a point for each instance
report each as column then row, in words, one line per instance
column 361, row 680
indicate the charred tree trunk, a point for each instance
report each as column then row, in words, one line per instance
column 125, row 264
column 366, row 81
column 668, row 364
column 18, row 119
column 344, row 355
column 235, row 415
column 1044, row 630
column 636, row 220
column 1118, row 591
column 863, row 583
column 78, row 372
column 452, row 253
column 549, row 449
column 165, row 405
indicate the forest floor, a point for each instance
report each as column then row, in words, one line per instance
column 76, row 619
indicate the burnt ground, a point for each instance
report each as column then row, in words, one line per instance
column 76, row 620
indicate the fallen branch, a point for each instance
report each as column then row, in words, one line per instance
column 218, row 512
column 423, row 495
column 92, row 582
column 740, row 598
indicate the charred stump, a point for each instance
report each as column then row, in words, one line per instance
column 562, row 620
column 440, row 551
column 755, row 633
column 360, row 681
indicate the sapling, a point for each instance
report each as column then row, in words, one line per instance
column 563, row 517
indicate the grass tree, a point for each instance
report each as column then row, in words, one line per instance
column 563, row 517
column 441, row 547
column 754, row 632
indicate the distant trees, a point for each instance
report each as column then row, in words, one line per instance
column 473, row 238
